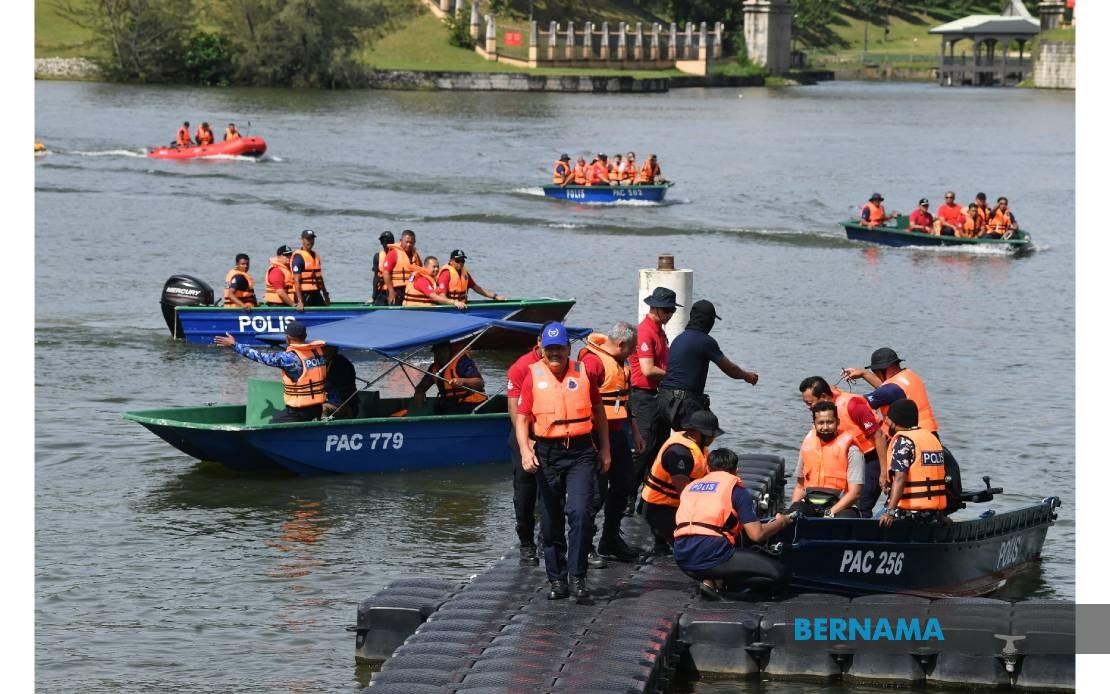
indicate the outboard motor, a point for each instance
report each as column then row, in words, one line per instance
column 183, row 290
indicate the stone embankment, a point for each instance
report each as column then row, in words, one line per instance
column 65, row 69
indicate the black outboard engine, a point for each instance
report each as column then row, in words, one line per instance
column 183, row 290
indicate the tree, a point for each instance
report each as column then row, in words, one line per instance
column 813, row 22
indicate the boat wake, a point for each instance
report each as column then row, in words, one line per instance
column 529, row 191
column 989, row 251
column 111, row 153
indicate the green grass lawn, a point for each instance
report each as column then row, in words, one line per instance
column 57, row 37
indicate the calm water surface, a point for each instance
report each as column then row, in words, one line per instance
column 155, row 572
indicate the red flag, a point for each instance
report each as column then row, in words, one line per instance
column 512, row 38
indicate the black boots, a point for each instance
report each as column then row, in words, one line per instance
column 578, row 588
column 559, row 590
column 616, row 549
column 528, row 555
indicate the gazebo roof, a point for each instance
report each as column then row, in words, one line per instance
column 1015, row 20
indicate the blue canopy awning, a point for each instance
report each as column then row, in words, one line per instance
column 395, row 332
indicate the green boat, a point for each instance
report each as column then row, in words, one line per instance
column 898, row 234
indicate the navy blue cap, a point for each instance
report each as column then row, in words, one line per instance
column 554, row 334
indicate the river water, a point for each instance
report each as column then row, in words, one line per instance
column 154, row 571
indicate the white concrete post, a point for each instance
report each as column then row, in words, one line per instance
column 655, row 42
column 552, row 40
column 672, row 47
column 475, row 26
column 445, row 6
column 491, row 37
column 588, row 41
column 718, row 40
column 458, row 9
column 703, row 53
column 604, row 41
column 570, row 40
column 534, row 43
column 638, row 47
column 688, row 49
column 679, row 281
column 622, row 42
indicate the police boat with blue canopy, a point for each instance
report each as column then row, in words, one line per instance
column 386, row 433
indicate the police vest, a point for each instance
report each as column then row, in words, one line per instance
column 561, row 409
column 825, row 465
column 615, row 388
column 926, row 489
column 865, row 443
column 415, row 297
column 875, row 214
column 659, row 487
column 458, row 284
column 648, row 173
column 453, row 392
column 561, row 174
column 628, row 174
column 914, row 389
column 183, row 137
column 705, row 507
column 1000, row 222
column 405, row 265
column 287, row 280
column 245, row 295
column 599, row 173
column 312, row 275
column 309, row 389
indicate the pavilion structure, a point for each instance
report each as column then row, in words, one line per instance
column 990, row 37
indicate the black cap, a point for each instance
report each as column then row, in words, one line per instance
column 883, row 357
column 704, row 306
column 903, row 412
column 923, row 201
column 564, row 157
column 284, row 250
column 386, row 237
column 704, row 422
column 601, row 155
column 457, row 254
column 662, row 298
column 308, row 234
column 297, row 329
column 876, row 196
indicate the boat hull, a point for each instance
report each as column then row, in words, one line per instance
column 965, row 558
column 900, row 236
column 243, row 147
column 607, row 194
column 200, row 324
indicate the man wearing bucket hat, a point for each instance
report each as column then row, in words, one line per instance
column 304, row 371
column 872, row 213
column 560, row 410
column 561, row 176
column 648, row 366
column 893, row 383
column 682, row 391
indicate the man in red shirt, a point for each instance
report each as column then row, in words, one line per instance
column 921, row 220
column 606, row 360
column 950, row 216
column 524, row 483
column 279, row 279
column 648, row 367
column 422, row 290
column 395, row 281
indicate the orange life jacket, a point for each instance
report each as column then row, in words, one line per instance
column 926, row 489
column 615, row 389
column 659, row 487
column 561, row 174
column 842, row 398
column 914, row 389
column 561, row 409
column 405, row 265
column 415, row 297
column 825, row 465
column 648, row 172
column 1000, row 222
column 615, row 171
column 309, row 388
column 312, row 274
column 282, row 264
column 875, row 213
column 204, row 137
column 245, row 295
column 629, row 173
column 459, row 283
column 455, row 393
column 183, row 138
column 599, row 173
column 581, row 175
column 705, row 507
column 230, row 134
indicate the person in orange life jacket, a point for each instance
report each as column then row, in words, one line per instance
column 682, row 390
column 340, row 386
column 279, row 279
column 893, row 383
column 304, row 370
column 560, row 410
column 525, row 488
column 648, row 367
column 455, row 282
column 1001, row 222
column 231, row 133
column 649, row 173
column 422, row 289
column 400, row 262
column 615, row 168
column 872, row 214
column 921, row 220
column 829, row 462
column 239, row 287
column 712, row 513
column 605, row 358
column 978, row 213
column 680, row 461
column 599, row 171
column 460, row 384
column 918, row 489
column 183, row 139
column 856, row 417
column 205, row 135
column 380, row 296
column 629, row 171
column 308, row 274
column 580, row 176
column 563, row 173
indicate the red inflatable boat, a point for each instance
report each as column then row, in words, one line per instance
column 243, row 147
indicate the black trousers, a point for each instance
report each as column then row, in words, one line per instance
column 380, row 296
column 614, row 487
column 644, row 408
column 567, row 480
column 660, row 519
column 746, row 569
column 679, row 405
column 398, row 296
column 871, row 490
column 315, row 298
column 525, row 493
column 298, row 414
